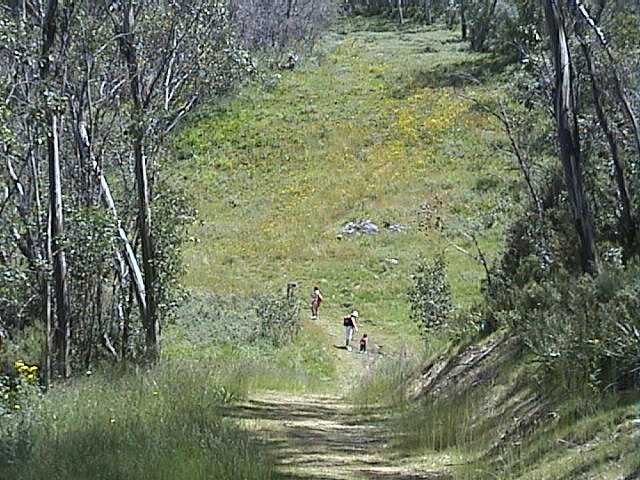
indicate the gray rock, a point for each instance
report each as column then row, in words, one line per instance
column 360, row 227
column 368, row 227
column 395, row 227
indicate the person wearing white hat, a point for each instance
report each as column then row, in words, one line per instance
column 351, row 326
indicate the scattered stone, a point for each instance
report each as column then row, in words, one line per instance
column 395, row 227
column 360, row 227
column 368, row 227
column 290, row 64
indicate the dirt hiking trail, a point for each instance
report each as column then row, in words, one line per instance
column 318, row 437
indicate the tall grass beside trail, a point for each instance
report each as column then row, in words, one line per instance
column 386, row 381
column 163, row 424
column 440, row 424
column 483, row 441
column 268, row 348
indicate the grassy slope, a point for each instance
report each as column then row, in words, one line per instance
column 376, row 130
column 362, row 134
column 509, row 423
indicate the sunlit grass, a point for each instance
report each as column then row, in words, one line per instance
column 280, row 170
column 166, row 423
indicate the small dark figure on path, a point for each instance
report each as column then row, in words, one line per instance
column 364, row 343
column 316, row 300
column 351, row 326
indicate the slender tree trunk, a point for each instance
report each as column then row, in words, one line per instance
column 428, row 11
column 128, row 49
column 63, row 327
column 400, row 12
column 463, row 20
column 627, row 227
column 47, row 311
column 568, row 136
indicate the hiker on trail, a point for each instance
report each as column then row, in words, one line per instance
column 316, row 300
column 351, row 326
column 364, row 343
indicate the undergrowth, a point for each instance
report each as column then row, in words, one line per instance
column 166, row 423
column 264, row 335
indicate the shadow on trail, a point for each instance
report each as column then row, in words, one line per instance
column 320, row 438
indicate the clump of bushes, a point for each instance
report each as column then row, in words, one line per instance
column 209, row 320
column 430, row 295
column 583, row 329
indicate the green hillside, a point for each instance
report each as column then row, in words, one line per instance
column 368, row 129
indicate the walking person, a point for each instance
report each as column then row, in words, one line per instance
column 316, row 300
column 350, row 323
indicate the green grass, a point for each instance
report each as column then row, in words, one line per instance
column 166, row 423
column 386, row 381
column 278, row 171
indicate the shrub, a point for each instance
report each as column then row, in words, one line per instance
column 430, row 295
column 582, row 329
column 279, row 319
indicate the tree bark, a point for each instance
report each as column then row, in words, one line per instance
column 128, row 49
column 63, row 324
column 627, row 227
column 568, row 136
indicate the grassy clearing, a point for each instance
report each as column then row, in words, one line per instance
column 163, row 424
column 279, row 170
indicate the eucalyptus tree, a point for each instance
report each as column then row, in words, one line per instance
column 93, row 89
column 89, row 216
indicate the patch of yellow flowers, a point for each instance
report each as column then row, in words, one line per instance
column 27, row 372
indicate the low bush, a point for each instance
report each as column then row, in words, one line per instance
column 430, row 295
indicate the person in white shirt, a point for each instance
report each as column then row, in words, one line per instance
column 350, row 323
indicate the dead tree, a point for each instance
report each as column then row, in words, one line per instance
column 568, row 135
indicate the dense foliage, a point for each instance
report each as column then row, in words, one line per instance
column 90, row 221
column 430, row 295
